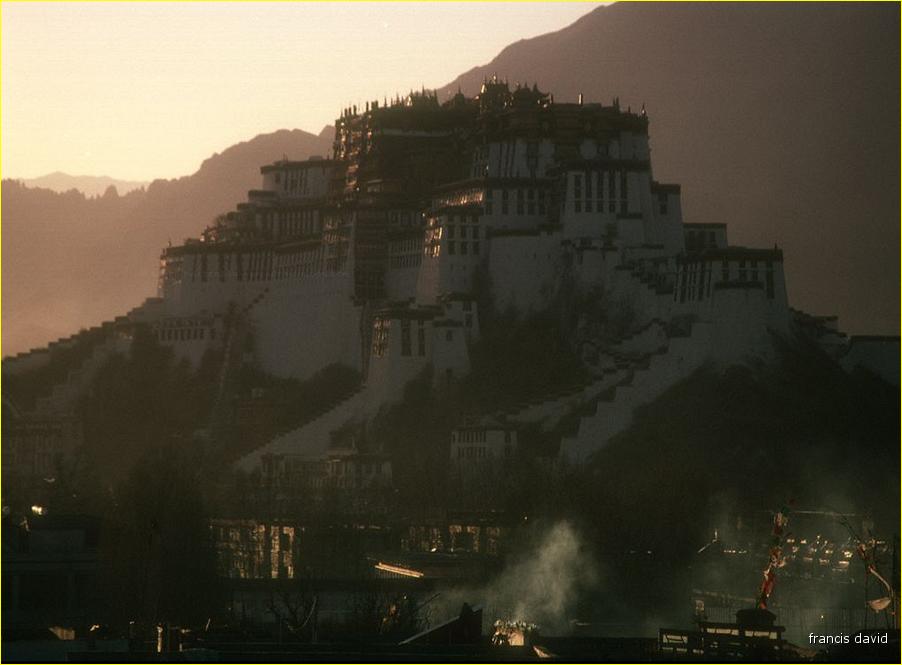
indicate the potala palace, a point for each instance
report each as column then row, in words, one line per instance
column 380, row 257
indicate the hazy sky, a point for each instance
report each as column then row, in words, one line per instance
column 138, row 91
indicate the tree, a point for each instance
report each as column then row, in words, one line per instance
column 160, row 564
column 294, row 607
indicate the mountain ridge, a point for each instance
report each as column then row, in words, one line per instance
column 89, row 185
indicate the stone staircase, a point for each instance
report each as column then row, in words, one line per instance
column 148, row 311
column 41, row 356
column 310, row 440
column 64, row 395
column 647, row 290
column 237, row 322
column 641, row 341
column 649, row 376
column 236, row 329
column 614, row 367
column 256, row 300
column 549, row 410
column 59, row 373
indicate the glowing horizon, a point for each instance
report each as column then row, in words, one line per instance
column 137, row 91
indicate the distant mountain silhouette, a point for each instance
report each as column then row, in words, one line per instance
column 89, row 185
column 71, row 261
column 781, row 120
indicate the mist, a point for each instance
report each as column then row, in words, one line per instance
column 543, row 585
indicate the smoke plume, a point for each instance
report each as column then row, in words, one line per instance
column 543, row 586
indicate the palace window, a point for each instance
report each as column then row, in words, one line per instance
column 432, row 246
column 405, row 338
column 380, row 337
column 620, row 190
column 505, row 194
column 578, row 192
column 421, row 339
column 532, row 156
column 520, row 209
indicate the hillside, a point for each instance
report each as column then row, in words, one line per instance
column 719, row 451
column 780, row 120
column 70, row 261
column 746, row 440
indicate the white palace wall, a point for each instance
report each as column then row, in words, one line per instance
column 401, row 283
column 190, row 297
column 301, row 326
column 523, row 270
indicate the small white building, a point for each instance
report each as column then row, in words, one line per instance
column 405, row 340
column 38, row 447
column 342, row 468
column 482, row 440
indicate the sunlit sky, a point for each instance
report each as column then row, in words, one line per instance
column 145, row 90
